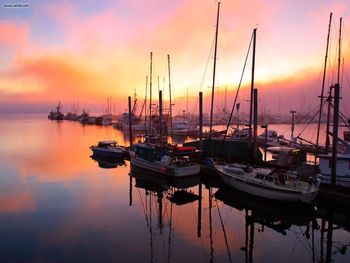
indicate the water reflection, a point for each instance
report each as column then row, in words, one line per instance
column 56, row 206
column 107, row 163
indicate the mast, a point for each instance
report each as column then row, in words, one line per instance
column 145, row 104
column 336, row 117
column 339, row 51
column 252, row 87
column 335, row 134
column 158, row 84
column 170, row 103
column 150, row 96
column 214, row 69
column 323, row 83
column 225, row 101
column 293, row 123
column 187, row 102
column 329, row 100
column 161, row 116
column 255, row 125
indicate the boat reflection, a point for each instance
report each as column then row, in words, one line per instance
column 165, row 191
column 277, row 215
column 108, row 163
column 160, row 183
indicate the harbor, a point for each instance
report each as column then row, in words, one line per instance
column 177, row 136
column 64, row 202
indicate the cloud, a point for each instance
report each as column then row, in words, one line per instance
column 104, row 50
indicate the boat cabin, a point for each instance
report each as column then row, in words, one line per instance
column 104, row 144
column 283, row 156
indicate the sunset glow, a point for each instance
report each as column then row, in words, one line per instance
column 85, row 51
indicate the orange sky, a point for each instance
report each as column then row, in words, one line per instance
column 86, row 51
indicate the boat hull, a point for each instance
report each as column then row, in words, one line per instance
column 264, row 191
column 340, row 180
column 108, row 153
column 158, row 167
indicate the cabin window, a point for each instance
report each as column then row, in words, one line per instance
column 258, row 176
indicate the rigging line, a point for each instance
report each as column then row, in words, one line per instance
column 315, row 114
column 205, row 72
column 342, row 117
column 170, row 230
column 344, row 106
column 144, row 210
column 303, row 242
column 223, row 230
column 238, row 88
column 150, row 228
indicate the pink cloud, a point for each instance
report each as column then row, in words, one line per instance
column 14, row 35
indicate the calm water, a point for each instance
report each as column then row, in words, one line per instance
column 59, row 205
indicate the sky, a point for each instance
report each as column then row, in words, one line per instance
column 84, row 51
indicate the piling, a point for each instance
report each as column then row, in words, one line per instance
column 335, row 133
column 130, row 122
column 201, row 120
column 161, row 116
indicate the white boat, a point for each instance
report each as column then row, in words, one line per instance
column 137, row 128
column 109, row 149
column 162, row 160
column 181, row 127
column 266, row 183
column 271, row 136
column 240, row 134
column 106, row 120
column 343, row 166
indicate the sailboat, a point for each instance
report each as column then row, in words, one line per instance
column 334, row 167
column 156, row 155
column 268, row 183
column 263, row 182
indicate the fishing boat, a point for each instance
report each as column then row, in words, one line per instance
column 267, row 183
column 84, row 117
column 180, row 127
column 109, row 149
column 164, row 160
column 56, row 115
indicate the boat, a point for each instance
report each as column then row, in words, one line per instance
column 286, row 156
column 272, row 213
column 240, row 134
column 109, row 149
column 84, row 117
column 166, row 160
column 103, row 120
column 269, row 136
column 268, row 183
column 56, row 115
column 343, row 166
column 180, row 127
